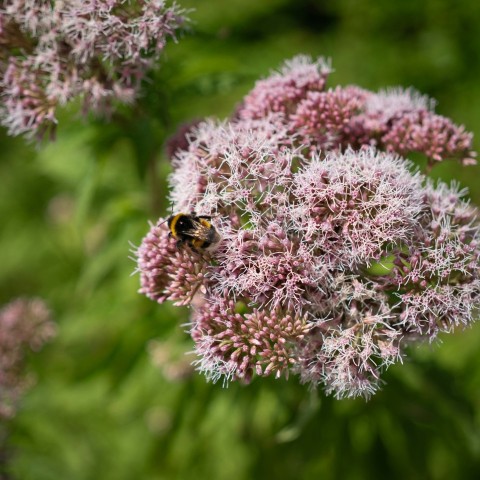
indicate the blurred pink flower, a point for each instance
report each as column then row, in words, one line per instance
column 98, row 50
column 25, row 324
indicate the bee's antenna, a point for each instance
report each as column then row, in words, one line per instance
column 171, row 215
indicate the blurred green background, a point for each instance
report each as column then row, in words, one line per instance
column 102, row 407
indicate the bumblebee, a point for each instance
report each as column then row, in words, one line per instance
column 196, row 231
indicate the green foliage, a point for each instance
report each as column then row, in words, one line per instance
column 100, row 408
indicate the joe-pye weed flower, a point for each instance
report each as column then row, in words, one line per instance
column 25, row 325
column 335, row 252
column 52, row 52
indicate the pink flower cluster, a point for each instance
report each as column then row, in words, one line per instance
column 25, row 324
column 97, row 50
column 395, row 120
column 335, row 252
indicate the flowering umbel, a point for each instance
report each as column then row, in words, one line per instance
column 54, row 51
column 25, row 324
column 335, row 252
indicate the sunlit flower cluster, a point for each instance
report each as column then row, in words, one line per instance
column 97, row 50
column 396, row 120
column 25, row 325
column 335, row 253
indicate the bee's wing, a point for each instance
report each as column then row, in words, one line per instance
column 199, row 231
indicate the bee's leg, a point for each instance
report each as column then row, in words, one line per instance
column 180, row 242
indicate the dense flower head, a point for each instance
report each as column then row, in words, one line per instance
column 25, row 324
column 334, row 252
column 396, row 120
column 323, row 118
column 99, row 50
column 233, row 344
column 283, row 90
column 351, row 205
column 436, row 277
column 169, row 273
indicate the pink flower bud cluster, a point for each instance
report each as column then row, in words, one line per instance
column 97, row 50
column 334, row 253
column 169, row 273
column 236, row 345
column 24, row 325
column 394, row 120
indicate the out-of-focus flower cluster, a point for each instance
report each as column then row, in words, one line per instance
column 25, row 325
column 335, row 252
column 54, row 51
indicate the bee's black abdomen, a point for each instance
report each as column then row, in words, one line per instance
column 212, row 236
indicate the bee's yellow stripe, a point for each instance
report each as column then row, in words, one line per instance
column 174, row 223
column 205, row 223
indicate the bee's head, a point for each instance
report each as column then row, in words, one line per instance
column 179, row 222
column 174, row 219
